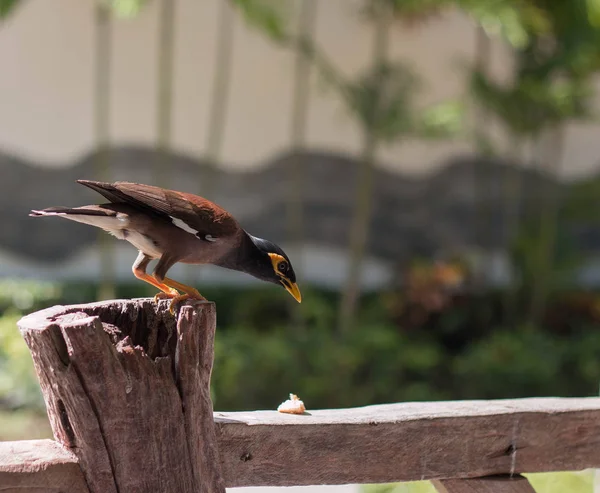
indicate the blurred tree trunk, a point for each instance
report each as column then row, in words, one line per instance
column 481, row 181
column 548, row 213
column 164, row 96
column 219, row 100
column 103, row 50
column 364, row 193
column 300, row 104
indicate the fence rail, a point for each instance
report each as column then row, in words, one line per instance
column 124, row 353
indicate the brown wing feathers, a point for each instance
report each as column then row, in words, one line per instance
column 198, row 213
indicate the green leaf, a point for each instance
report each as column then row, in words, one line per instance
column 6, row 7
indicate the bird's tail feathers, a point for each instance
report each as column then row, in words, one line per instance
column 79, row 211
column 94, row 215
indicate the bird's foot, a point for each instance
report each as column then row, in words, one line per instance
column 166, row 296
column 195, row 295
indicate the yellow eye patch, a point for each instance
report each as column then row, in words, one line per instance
column 277, row 259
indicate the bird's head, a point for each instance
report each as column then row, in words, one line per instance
column 275, row 266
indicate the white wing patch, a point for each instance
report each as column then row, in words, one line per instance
column 181, row 225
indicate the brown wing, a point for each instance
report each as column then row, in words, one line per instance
column 197, row 213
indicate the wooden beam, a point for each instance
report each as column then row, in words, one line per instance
column 491, row 484
column 409, row 441
column 43, row 466
column 126, row 386
column 388, row 443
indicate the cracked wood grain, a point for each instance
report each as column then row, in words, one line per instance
column 126, row 387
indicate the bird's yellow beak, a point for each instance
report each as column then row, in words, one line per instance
column 292, row 288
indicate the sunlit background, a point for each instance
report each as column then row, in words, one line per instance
column 430, row 166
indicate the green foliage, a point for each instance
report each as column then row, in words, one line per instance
column 516, row 20
column 377, row 364
column 382, row 99
column 594, row 12
column 518, row 363
column 7, row 6
column 530, row 105
column 556, row 482
column 18, row 382
column 560, row 482
column 409, row 487
column 125, row 8
column 27, row 295
column 442, row 120
column 267, row 16
column 260, row 359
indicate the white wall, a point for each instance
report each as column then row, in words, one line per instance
column 46, row 83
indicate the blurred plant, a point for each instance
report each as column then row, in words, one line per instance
column 555, row 482
column 124, row 8
column 21, row 296
column 7, row 6
column 428, row 288
column 375, row 365
column 383, row 102
column 18, row 383
column 559, row 482
column 555, row 55
column 521, row 363
column 408, row 487
column 268, row 16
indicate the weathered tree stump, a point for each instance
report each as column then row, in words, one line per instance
column 127, row 389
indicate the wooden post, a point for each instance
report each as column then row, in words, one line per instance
column 127, row 389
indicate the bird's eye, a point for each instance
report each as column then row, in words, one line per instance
column 282, row 267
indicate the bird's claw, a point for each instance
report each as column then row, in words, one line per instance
column 165, row 296
column 182, row 297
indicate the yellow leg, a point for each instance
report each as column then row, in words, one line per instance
column 166, row 291
column 189, row 293
column 192, row 292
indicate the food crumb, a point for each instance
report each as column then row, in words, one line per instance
column 292, row 406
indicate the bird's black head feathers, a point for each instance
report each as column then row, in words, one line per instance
column 264, row 260
column 267, row 253
column 269, row 248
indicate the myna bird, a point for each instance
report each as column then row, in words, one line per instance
column 179, row 227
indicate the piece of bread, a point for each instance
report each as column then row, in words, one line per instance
column 292, row 406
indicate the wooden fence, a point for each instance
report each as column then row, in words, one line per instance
column 127, row 391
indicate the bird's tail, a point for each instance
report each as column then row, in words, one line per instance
column 77, row 211
column 94, row 215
